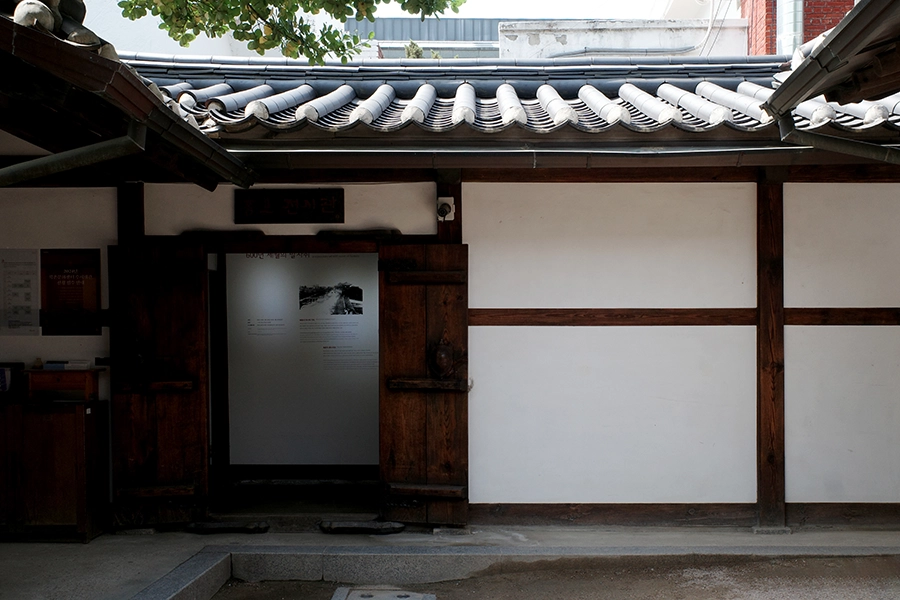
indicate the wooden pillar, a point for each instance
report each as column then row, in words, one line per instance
column 130, row 211
column 449, row 184
column 770, row 354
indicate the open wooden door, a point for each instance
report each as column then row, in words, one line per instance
column 159, row 380
column 424, row 383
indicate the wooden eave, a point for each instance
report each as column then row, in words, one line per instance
column 60, row 97
column 859, row 60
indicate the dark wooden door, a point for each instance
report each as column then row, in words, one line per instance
column 159, row 380
column 423, row 410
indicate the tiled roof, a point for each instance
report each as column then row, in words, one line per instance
column 560, row 104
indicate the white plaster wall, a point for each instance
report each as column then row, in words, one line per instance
column 11, row 145
column 610, row 245
column 627, row 37
column 842, row 416
column 59, row 218
column 841, row 245
column 171, row 209
column 610, row 414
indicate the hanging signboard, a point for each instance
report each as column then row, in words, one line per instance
column 70, row 292
column 19, row 293
column 303, row 205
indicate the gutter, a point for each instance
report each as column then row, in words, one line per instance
column 820, row 141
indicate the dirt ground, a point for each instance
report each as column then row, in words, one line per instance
column 645, row 578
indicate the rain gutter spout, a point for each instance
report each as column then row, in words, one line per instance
column 133, row 142
column 819, row 141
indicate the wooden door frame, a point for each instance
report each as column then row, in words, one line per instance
column 221, row 470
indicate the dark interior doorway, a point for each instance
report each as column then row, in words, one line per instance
column 283, row 483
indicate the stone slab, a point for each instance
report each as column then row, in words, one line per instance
column 260, row 563
column 198, row 578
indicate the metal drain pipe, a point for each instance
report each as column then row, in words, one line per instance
column 132, row 143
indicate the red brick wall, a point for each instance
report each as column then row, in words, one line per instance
column 822, row 15
column 760, row 15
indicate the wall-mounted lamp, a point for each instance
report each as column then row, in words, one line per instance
column 446, row 209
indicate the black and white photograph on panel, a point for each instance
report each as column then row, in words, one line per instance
column 343, row 298
column 303, row 358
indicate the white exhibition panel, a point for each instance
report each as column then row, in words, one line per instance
column 611, row 245
column 841, row 245
column 612, row 414
column 303, row 358
column 171, row 209
column 842, row 416
column 38, row 218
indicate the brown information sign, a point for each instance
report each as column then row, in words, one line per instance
column 70, row 292
column 322, row 205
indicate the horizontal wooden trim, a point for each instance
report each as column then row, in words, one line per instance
column 445, row 385
column 427, row 490
column 600, row 317
column 842, row 316
column 170, row 386
column 426, row 277
column 850, row 514
column 281, row 474
column 720, row 514
column 162, row 491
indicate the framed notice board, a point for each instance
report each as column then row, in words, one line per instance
column 70, row 292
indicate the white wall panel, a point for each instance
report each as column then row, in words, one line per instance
column 841, row 245
column 611, row 245
column 411, row 207
column 610, row 414
column 59, row 218
column 842, row 414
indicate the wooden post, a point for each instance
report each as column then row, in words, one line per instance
column 130, row 211
column 770, row 355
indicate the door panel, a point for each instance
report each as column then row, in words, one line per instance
column 159, row 349
column 424, row 374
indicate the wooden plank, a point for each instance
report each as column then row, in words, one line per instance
column 160, row 491
column 842, row 316
column 770, row 355
column 844, row 514
column 401, row 414
column 447, row 411
column 448, row 385
column 430, row 490
column 170, row 386
column 600, row 317
column 427, row 277
column 713, row 514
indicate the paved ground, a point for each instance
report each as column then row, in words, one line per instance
column 115, row 567
column 647, row 578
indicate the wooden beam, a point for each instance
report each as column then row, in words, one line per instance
column 130, row 212
column 842, row 316
column 733, row 515
column 602, row 317
column 844, row 514
column 770, row 355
